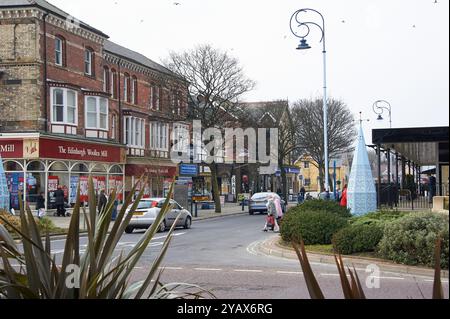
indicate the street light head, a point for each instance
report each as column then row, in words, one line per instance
column 303, row 45
column 380, row 118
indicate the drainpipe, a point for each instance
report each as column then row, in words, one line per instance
column 45, row 75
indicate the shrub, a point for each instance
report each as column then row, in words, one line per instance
column 46, row 226
column 323, row 205
column 14, row 220
column 411, row 240
column 358, row 238
column 379, row 218
column 315, row 228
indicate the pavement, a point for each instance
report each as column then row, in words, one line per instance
column 273, row 247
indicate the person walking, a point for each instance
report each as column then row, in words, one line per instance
column 40, row 206
column 102, row 201
column 59, row 201
column 344, row 197
column 278, row 213
column 114, row 212
column 271, row 221
column 301, row 197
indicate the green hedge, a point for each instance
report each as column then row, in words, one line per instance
column 411, row 240
column 358, row 238
column 316, row 228
column 379, row 218
column 318, row 205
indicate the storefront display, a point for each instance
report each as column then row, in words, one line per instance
column 48, row 163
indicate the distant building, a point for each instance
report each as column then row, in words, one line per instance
column 309, row 173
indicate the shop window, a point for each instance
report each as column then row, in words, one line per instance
column 80, row 168
column 12, row 166
column 96, row 113
column 36, row 167
column 64, row 106
column 115, row 170
column 307, row 182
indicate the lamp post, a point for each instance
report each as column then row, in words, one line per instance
column 379, row 110
column 379, row 107
column 304, row 29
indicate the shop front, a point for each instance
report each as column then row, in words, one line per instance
column 159, row 179
column 36, row 164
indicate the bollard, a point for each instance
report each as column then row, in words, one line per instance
column 196, row 209
column 243, row 205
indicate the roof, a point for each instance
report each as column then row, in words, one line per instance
column 46, row 6
column 422, row 145
column 261, row 110
column 134, row 56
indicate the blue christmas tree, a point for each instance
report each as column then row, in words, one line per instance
column 4, row 192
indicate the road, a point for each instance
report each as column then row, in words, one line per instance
column 220, row 255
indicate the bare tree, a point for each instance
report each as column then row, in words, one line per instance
column 308, row 120
column 217, row 81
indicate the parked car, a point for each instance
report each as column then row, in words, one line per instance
column 148, row 209
column 328, row 196
column 258, row 203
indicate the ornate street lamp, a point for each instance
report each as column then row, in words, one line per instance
column 379, row 107
column 301, row 29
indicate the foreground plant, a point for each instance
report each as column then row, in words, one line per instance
column 353, row 289
column 96, row 273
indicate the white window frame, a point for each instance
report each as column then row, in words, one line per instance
column 106, row 78
column 88, row 59
column 113, row 126
column 126, row 78
column 134, row 132
column 134, row 84
column 59, row 53
column 152, row 94
column 159, row 136
column 97, row 110
column 158, row 98
column 113, row 84
column 182, row 140
column 65, row 106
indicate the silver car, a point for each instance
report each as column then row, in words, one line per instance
column 258, row 203
column 148, row 209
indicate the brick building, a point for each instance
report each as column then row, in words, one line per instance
column 73, row 103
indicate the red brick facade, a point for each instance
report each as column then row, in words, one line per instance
column 50, row 84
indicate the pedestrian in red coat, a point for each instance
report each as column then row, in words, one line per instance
column 344, row 197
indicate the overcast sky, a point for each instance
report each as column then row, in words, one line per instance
column 394, row 50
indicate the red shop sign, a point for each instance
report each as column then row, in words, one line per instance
column 57, row 149
column 11, row 148
column 137, row 170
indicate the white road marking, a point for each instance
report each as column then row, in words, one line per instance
column 171, row 268
column 289, row 272
column 207, row 269
column 248, row 270
column 443, row 281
